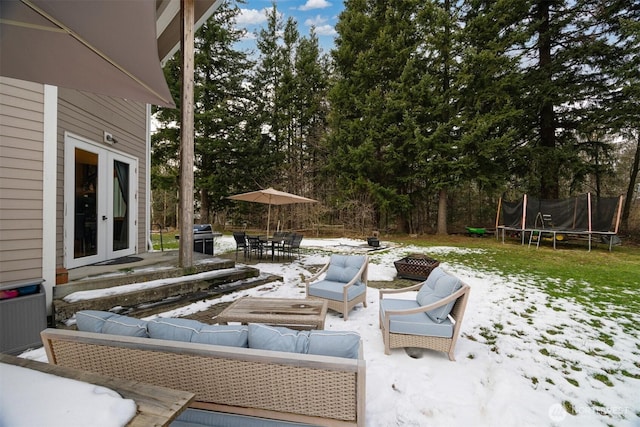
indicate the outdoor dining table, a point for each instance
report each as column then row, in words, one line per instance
column 273, row 242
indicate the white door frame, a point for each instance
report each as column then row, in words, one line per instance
column 105, row 201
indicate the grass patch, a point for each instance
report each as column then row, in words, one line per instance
column 603, row 379
column 606, row 339
column 164, row 241
column 572, row 382
column 597, row 279
column 490, row 337
column 569, row 407
column 629, row 374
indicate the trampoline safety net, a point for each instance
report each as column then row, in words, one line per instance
column 567, row 214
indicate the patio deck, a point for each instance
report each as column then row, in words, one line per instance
column 154, row 266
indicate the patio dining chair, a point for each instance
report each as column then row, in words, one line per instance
column 241, row 242
column 256, row 246
column 294, row 245
column 344, row 284
column 281, row 242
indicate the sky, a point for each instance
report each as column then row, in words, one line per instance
column 520, row 356
column 322, row 14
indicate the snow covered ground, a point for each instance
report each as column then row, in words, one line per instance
column 523, row 358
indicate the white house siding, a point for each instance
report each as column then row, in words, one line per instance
column 21, row 180
column 89, row 116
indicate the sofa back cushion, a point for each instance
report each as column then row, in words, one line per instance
column 343, row 268
column 188, row 330
column 277, row 338
column 110, row 323
column 334, row 343
column 433, row 290
column 324, row 343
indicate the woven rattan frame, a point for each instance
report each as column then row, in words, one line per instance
column 446, row 345
column 319, row 390
column 345, row 305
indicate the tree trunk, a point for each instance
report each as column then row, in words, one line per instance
column 204, row 206
column 628, row 200
column 442, row 213
column 548, row 166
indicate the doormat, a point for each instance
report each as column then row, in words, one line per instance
column 121, row 260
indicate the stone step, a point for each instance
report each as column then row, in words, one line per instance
column 151, row 298
column 144, row 274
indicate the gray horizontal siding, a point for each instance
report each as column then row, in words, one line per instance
column 21, row 163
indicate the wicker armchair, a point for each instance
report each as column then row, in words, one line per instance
column 344, row 285
column 429, row 322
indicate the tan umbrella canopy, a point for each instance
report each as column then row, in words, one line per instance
column 100, row 46
column 271, row 197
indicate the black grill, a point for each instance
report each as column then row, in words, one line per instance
column 203, row 236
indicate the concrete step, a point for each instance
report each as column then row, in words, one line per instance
column 150, row 294
column 108, row 278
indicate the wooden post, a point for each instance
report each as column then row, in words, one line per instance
column 185, row 258
column 523, row 221
column 589, row 213
column 498, row 216
column 615, row 230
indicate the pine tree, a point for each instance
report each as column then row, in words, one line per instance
column 267, row 120
column 221, row 106
column 368, row 142
column 489, row 86
column 617, row 111
column 568, row 44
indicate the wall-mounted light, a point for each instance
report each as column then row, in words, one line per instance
column 109, row 139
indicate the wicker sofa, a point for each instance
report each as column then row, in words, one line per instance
column 233, row 385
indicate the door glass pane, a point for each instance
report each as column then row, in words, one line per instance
column 86, row 209
column 120, row 212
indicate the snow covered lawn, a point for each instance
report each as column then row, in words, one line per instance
column 524, row 358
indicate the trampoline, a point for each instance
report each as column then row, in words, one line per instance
column 576, row 217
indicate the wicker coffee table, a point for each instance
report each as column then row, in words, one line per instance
column 289, row 312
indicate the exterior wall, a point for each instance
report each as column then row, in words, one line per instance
column 89, row 116
column 21, row 180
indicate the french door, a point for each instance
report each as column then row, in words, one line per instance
column 100, row 201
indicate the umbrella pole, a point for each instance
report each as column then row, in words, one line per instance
column 268, row 219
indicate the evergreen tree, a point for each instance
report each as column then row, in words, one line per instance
column 368, row 142
column 490, row 86
column 312, row 82
column 619, row 107
column 165, row 149
column 265, row 82
column 569, row 43
column 221, row 106
column 222, row 109
column 438, row 118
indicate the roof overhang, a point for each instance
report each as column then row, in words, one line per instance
column 168, row 23
column 113, row 48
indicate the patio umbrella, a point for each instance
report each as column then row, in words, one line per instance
column 100, row 46
column 271, row 197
